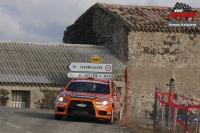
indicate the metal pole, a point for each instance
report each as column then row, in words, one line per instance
column 186, row 121
column 197, row 125
column 162, row 116
column 175, row 115
column 174, row 120
column 126, row 72
column 158, row 104
column 169, row 110
column 156, row 108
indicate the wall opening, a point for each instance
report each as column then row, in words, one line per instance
column 20, row 99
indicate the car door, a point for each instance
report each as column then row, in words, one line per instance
column 119, row 100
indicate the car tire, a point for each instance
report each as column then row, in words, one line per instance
column 58, row 117
column 110, row 121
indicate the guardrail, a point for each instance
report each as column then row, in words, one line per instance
column 166, row 107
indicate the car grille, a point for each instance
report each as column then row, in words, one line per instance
column 75, row 108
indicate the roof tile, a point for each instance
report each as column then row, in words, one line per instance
column 139, row 16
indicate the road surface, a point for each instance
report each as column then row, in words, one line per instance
column 22, row 120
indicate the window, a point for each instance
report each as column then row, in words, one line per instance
column 20, row 99
column 89, row 87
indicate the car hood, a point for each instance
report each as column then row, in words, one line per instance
column 86, row 95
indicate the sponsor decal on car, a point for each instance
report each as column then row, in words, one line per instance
column 82, row 96
column 101, row 107
column 92, row 81
column 109, row 113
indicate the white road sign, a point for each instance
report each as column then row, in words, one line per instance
column 90, row 67
column 94, row 75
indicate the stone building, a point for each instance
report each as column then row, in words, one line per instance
column 32, row 73
column 139, row 36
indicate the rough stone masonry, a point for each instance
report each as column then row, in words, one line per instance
column 158, row 57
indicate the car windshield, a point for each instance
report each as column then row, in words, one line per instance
column 94, row 87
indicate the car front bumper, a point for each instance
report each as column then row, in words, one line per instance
column 91, row 110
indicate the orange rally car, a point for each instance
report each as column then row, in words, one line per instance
column 89, row 97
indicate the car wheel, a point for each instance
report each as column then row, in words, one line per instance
column 110, row 121
column 58, row 117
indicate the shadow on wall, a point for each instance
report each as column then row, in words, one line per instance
column 61, row 80
column 48, row 101
column 4, row 97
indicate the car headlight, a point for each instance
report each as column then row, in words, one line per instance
column 102, row 102
column 61, row 99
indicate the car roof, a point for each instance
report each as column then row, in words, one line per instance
column 93, row 79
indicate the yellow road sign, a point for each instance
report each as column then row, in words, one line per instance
column 95, row 59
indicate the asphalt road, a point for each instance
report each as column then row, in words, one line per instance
column 22, row 120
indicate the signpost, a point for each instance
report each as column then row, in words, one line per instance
column 94, row 75
column 90, row 67
column 95, row 59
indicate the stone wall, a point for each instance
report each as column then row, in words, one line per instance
column 100, row 28
column 48, row 100
column 81, row 32
column 40, row 97
column 158, row 57
column 3, row 97
column 164, row 50
column 111, row 31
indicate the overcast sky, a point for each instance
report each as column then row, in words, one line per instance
column 46, row 20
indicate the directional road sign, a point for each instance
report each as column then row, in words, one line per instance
column 90, row 67
column 94, row 75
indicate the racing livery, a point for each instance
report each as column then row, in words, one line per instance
column 89, row 97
